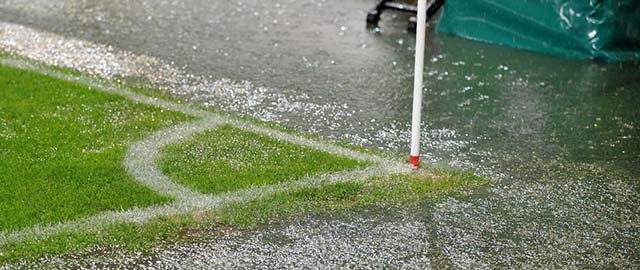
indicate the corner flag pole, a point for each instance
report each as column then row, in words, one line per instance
column 421, row 30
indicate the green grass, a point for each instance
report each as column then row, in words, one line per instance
column 130, row 236
column 399, row 190
column 141, row 86
column 62, row 147
column 392, row 191
column 228, row 159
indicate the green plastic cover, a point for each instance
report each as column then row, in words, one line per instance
column 607, row 30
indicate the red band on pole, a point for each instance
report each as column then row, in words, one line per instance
column 415, row 162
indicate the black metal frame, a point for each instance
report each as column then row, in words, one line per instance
column 373, row 16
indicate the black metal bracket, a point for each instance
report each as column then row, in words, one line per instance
column 373, row 16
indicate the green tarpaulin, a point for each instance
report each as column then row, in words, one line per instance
column 607, row 30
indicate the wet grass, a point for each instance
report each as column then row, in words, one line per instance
column 229, row 159
column 141, row 88
column 400, row 190
column 62, row 147
column 145, row 87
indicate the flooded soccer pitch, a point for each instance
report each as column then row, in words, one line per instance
column 559, row 138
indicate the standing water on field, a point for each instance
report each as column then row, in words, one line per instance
column 559, row 138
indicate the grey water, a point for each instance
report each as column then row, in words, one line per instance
column 559, row 138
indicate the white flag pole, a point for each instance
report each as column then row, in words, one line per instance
column 421, row 30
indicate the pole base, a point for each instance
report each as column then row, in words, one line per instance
column 415, row 162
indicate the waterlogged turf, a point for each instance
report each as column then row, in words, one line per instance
column 62, row 147
column 229, row 159
column 399, row 191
